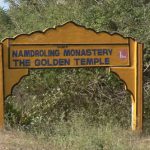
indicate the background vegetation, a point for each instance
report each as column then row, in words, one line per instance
column 52, row 97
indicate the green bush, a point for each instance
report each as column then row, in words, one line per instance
column 59, row 93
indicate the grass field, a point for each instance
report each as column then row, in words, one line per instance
column 75, row 136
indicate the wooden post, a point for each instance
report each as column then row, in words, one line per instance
column 137, row 100
column 1, row 90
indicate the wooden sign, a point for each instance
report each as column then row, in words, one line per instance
column 71, row 45
column 67, row 55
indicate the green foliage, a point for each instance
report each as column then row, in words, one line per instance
column 12, row 114
column 5, row 23
column 48, row 96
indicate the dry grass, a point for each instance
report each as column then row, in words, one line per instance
column 15, row 140
column 84, row 139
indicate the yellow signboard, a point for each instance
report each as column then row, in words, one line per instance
column 72, row 45
column 68, row 55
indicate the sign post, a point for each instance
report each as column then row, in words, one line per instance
column 133, row 79
column 1, row 90
column 71, row 45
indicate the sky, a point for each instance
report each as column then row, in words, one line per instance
column 3, row 4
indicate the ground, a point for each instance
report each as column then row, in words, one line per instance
column 15, row 140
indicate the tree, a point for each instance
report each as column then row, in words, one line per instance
column 5, row 23
column 129, row 17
